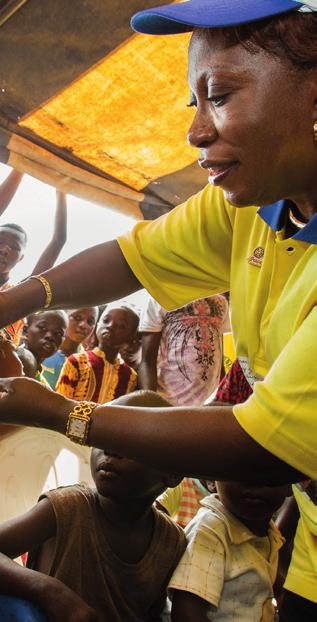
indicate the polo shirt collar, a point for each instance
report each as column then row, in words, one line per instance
column 274, row 216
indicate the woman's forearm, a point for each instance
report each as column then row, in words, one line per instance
column 99, row 274
column 199, row 441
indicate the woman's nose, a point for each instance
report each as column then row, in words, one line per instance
column 202, row 131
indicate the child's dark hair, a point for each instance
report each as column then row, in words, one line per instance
column 15, row 228
column 33, row 316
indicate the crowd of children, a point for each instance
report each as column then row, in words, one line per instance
column 110, row 553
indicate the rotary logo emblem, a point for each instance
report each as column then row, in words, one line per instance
column 257, row 257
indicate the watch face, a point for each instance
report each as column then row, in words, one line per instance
column 77, row 427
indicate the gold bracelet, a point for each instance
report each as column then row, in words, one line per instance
column 78, row 422
column 48, row 290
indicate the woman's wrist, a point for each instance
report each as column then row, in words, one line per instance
column 20, row 301
column 58, row 413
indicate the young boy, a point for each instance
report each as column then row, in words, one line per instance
column 13, row 241
column 100, row 375
column 12, row 244
column 229, row 568
column 81, row 323
column 107, row 549
column 43, row 334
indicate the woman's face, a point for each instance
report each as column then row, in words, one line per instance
column 253, row 123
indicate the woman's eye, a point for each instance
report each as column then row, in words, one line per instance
column 218, row 100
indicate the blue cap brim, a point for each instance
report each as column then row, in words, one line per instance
column 184, row 16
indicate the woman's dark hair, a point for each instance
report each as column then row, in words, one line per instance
column 292, row 36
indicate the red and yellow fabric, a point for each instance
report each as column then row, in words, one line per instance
column 90, row 376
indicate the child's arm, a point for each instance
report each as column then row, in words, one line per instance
column 23, row 534
column 188, row 607
column 8, row 189
column 147, row 372
column 50, row 254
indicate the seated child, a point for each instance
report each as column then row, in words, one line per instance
column 230, row 565
column 107, row 549
column 43, row 334
column 100, row 375
column 81, row 323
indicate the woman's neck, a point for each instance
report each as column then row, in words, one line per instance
column 306, row 206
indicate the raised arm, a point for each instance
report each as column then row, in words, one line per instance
column 147, row 372
column 97, row 275
column 51, row 252
column 8, row 189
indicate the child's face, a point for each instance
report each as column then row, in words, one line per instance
column 131, row 352
column 45, row 334
column 123, row 479
column 11, row 249
column 81, row 323
column 249, row 501
column 10, row 364
column 115, row 328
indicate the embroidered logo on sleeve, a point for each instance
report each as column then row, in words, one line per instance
column 257, row 257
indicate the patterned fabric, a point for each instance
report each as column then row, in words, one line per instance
column 183, row 502
column 40, row 378
column 16, row 328
column 234, row 387
column 89, row 376
column 228, row 566
column 52, row 367
column 190, row 355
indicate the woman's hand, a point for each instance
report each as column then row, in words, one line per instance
column 24, row 401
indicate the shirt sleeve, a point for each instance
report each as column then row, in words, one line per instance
column 185, row 254
column 201, row 569
column 281, row 413
column 152, row 317
column 171, row 498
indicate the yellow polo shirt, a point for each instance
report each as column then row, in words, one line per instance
column 205, row 246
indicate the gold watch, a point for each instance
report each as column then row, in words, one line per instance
column 78, row 422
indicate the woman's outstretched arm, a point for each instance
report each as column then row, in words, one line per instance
column 97, row 275
column 200, row 441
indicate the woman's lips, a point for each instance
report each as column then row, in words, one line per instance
column 219, row 172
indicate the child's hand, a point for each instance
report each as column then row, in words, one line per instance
column 62, row 604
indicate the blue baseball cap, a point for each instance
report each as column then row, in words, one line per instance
column 171, row 19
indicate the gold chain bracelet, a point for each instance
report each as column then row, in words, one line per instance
column 48, row 290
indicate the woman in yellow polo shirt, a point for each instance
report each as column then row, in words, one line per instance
column 253, row 82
